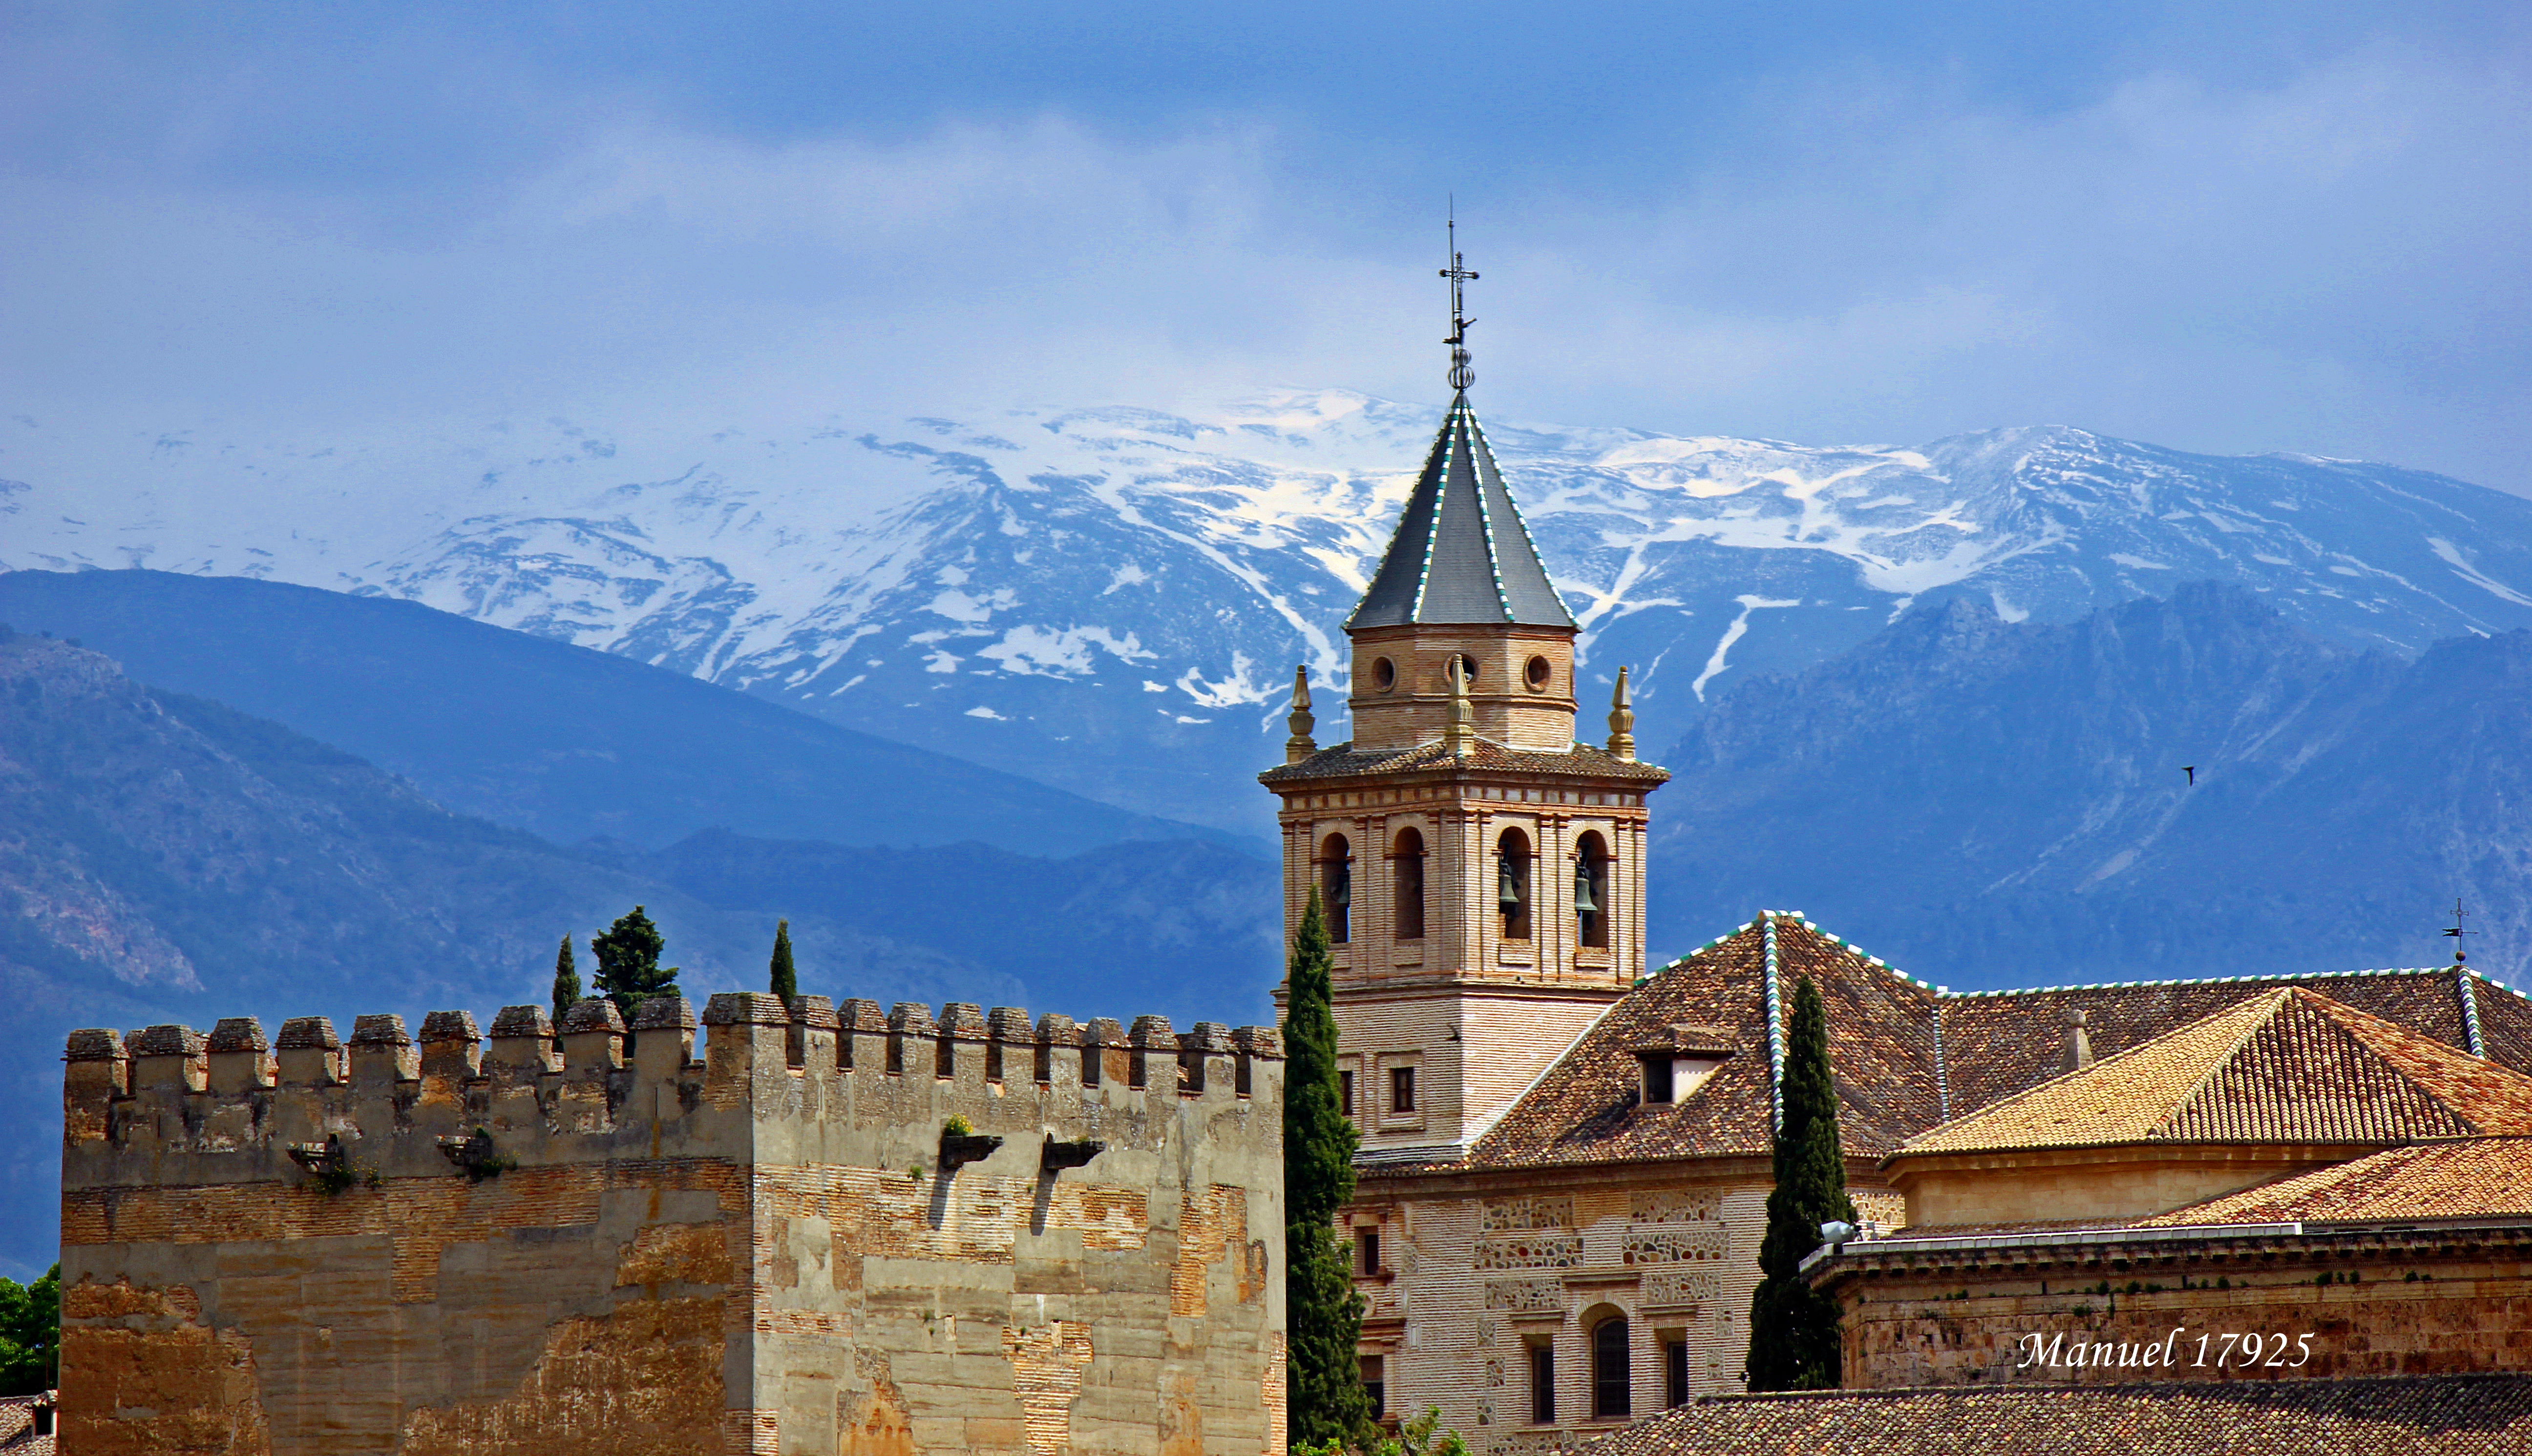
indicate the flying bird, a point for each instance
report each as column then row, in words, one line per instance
column 2192, row 770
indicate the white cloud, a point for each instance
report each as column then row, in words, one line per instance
column 2324, row 258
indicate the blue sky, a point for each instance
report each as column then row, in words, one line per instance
column 2224, row 228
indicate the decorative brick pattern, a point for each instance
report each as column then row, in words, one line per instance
column 1672, row 1206
column 1500, row 1215
column 1524, row 1296
column 1539, row 1251
column 1680, row 1287
column 1678, row 1245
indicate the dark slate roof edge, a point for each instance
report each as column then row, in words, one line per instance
column 1390, row 600
column 1528, row 564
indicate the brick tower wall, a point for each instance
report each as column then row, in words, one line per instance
column 469, row 1245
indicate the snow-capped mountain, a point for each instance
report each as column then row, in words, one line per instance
column 1114, row 599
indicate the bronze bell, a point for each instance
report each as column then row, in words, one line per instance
column 1585, row 902
column 1339, row 886
column 1507, row 882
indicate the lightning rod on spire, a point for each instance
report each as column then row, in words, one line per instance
column 1460, row 375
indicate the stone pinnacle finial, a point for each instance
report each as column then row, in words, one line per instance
column 1622, row 720
column 1300, row 745
column 1460, row 735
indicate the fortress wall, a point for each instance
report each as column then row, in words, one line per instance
column 458, row 1244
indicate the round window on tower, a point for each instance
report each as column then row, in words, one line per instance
column 1537, row 673
column 1384, row 674
column 1468, row 671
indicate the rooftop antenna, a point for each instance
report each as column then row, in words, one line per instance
column 1460, row 375
column 2456, row 933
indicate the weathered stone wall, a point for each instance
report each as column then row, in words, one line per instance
column 380, row 1247
column 2417, row 1303
column 1133, row 1305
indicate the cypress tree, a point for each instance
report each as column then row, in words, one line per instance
column 1794, row 1329
column 567, row 985
column 629, row 971
column 1324, row 1316
column 785, row 982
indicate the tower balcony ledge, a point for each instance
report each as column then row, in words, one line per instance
column 1434, row 761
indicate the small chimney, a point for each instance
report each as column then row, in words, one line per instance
column 2079, row 1042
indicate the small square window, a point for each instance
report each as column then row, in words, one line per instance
column 1657, row 1079
column 1402, row 1088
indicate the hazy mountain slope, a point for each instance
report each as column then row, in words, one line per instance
column 1180, row 927
column 1112, row 599
column 1988, row 802
column 166, row 858
column 542, row 735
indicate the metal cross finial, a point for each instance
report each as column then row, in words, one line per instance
column 1460, row 375
column 2456, row 933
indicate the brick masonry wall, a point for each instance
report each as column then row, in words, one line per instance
column 2378, row 1306
column 1481, row 1014
column 1501, row 702
column 1478, row 1269
column 751, row 1252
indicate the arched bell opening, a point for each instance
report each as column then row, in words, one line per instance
column 1336, row 887
column 1512, row 883
column 1407, row 880
column 1591, row 908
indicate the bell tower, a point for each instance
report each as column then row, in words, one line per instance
column 1483, row 871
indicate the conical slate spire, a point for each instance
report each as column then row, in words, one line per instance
column 1462, row 553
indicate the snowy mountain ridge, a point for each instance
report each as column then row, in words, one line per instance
column 1112, row 599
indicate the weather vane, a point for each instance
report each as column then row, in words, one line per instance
column 2456, row 933
column 1461, row 376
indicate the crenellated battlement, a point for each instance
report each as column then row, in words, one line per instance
column 545, row 1094
column 772, row 1224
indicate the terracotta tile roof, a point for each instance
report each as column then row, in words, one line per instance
column 2289, row 1065
column 1345, row 760
column 18, row 1434
column 1589, row 1110
column 2416, row 1415
column 1996, row 1043
column 1908, row 1055
column 2469, row 1178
